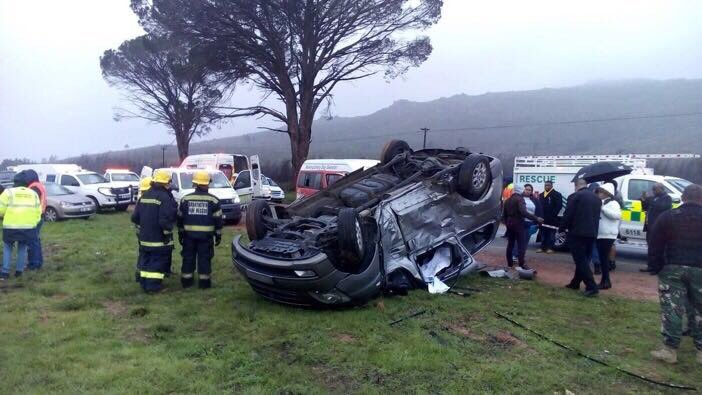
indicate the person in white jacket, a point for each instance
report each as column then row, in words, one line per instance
column 610, row 217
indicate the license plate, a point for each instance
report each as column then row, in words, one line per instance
column 85, row 209
column 125, row 196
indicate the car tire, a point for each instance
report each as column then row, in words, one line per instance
column 95, row 202
column 255, row 221
column 393, row 148
column 51, row 215
column 474, row 177
column 351, row 238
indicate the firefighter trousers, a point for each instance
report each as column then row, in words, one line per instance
column 198, row 251
column 154, row 264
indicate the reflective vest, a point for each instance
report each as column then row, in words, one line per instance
column 20, row 208
column 42, row 193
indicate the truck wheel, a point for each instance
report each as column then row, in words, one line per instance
column 474, row 177
column 256, row 212
column 51, row 215
column 350, row 236
column 393, row 148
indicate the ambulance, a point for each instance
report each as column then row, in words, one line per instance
column 560, row 170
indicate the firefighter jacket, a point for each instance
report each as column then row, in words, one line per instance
column 20, row 210
column 155, row 217
column 200, row 215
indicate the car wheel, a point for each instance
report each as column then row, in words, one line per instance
column 474, row 177
column 561, row 243
column 393, row 148
column 51, row 215
column 256, row 212
column 95, row 202
column 350, row 236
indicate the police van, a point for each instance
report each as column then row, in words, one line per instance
column 560, row 170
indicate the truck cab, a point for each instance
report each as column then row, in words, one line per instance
column 124, row 178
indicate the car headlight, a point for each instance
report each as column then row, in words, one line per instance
column 106, row 191
column 236, row 199
column 66, row 204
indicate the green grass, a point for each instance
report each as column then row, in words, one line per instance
column 83, row 325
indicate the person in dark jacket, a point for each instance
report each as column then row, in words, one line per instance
column 581, row 220
column 654, row 206
column 199, row 230
column 515, row 212
column 675, row 248
column 551, row 203
column 155, row 215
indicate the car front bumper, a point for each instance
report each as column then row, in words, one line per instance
column 76, row 212
column 231, row 211
column 277, row 280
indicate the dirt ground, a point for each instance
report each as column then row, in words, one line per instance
column 557, row 270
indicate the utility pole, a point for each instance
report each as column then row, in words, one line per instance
column 425, row 130
column 163, row 155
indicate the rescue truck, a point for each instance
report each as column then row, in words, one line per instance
column 560, row 170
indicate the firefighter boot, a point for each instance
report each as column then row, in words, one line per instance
column 666, row 354
column 204, row 282
column 187, row 280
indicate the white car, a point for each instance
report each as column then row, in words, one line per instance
column 243, row 187
column 124, row 178
column 277, row 193
column 182, row 184
column 104, row 194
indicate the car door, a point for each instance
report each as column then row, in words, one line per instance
column 633, row 216
column 70, row 182
column 242, row 185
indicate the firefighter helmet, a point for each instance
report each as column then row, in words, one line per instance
column 201, row 178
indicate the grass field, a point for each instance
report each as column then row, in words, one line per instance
column 83, row 325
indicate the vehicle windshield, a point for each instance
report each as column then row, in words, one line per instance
column 271, row 182
column 217, row 180
column 265, row 180
column 91, row 178
column 679, row 183
column 56, row 190
column 124, row 177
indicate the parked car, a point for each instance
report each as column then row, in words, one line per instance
column 416, row 218
column 124, row 179
column 277, row 193
column 6, row 179
column 61, row 203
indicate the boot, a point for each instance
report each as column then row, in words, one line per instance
column 187, row 282
column 598, row 269
column 204, row 283
column 18, row 274
column 605, row 284
column 699, row 357
column 667, row 354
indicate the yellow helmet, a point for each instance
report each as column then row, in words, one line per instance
column 201, row 178
column 162, row 177
column 145, row 184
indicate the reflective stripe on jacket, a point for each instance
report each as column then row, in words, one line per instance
column 20, row 208
column 200, row 215
column 155, row 216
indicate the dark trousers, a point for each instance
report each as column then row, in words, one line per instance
column 154, row 265
column 548, row 238
column 36, row 258
column 198, row 251
column 516, row 234
column 604, row 246
column 581, row 248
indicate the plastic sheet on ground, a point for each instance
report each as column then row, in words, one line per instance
column 440, row 261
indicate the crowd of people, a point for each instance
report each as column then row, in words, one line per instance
column 591, row 221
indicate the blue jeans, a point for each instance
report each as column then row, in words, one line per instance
column 36, row 258
column 7, row 256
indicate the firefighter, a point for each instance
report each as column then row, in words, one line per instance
column 199, row 222
column 144, row 185
column 155, row 216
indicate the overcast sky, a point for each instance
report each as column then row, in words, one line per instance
column 53, row 99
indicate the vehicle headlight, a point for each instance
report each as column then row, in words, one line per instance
column 66, row 204
column 305, row 273
column 236, row 199
column 106, row 191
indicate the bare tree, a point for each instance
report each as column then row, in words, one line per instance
column 299, row 50
column 168, row 84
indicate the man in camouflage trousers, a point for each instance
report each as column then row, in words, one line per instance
column 676, row 252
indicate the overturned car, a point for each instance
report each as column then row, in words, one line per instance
column 414, row 220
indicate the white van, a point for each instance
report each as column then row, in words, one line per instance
column 243, row 172
column 124, row 178
column 104, row 194
column 318, row 174
column 182, row 184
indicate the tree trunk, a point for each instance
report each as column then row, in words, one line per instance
column 300, row 140
column 183, row 143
